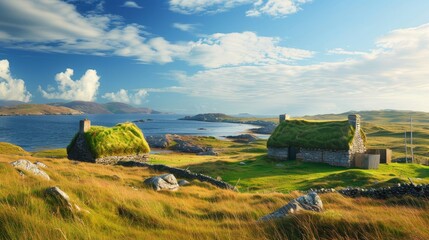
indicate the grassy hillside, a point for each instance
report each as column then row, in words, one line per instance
column 10, row 149
column 115, row 203
column 37, row 109
column 312, row 134
column 122, row 139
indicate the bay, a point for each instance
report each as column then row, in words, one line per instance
column 55, row 131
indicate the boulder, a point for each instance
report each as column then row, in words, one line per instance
column 311, row 202
column 40, row 164
column 183, row 182
column 159, row 141
column 61, row 201
column 243, row 138
column 26, row 165
column 162, row 182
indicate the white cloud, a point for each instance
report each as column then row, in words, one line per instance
column 275, row 8
column 186, row 27
column 341, row 51
column 11, row 88
column 131, row 4
column 233, row 49
column 394, row 75
column 123, row 96
column 84, row 89
column 204, row 6
column 55, row 26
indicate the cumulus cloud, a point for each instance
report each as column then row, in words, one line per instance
column 341, row 51
column 83, row 89
column 186, row 27
column 56, row 26
column 125, row 97
column 393, row 75
column 275, row 8
column 131, row 4
column 232, row 49
column 11, row 88
column 204, row 6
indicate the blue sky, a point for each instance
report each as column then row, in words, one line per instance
column 232, row 56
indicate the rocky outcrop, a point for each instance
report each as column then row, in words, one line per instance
column 163, row 141
column 114, row 159
column 185, row 144
column 243, row 138
column 26, row 165
column 60, row 201
column 162, row 182
column 181, row 173
column 311, row 202
column 266, row 127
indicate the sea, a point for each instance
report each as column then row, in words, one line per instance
column 35, row 133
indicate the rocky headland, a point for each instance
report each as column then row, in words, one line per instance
column 265, row 127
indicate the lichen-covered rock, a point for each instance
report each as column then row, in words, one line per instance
column 26, row 165
column 310, row 202
column 40, row 164
column 159, row 141
column 183, row 182
column 163, row 182
column 60, row 202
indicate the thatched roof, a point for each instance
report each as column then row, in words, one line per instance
column 335, row 135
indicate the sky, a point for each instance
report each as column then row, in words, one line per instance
column 232, row 56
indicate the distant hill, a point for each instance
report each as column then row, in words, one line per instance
column 387, row 116
column 106, row 108
column 118, row 107
column 10, row 103
column 86, row 107
column 37, row 109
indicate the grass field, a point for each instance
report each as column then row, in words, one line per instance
column 116, row 204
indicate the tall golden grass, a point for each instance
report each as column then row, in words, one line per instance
column 115, row 204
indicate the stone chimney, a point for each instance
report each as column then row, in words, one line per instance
column 283, row 117
column 354, row 120
column 84, row 125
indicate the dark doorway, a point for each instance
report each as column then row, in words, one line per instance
column 292, row 151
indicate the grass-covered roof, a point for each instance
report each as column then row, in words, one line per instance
column 122, row 139
column 336, row 135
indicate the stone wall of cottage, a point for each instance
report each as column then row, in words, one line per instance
column 334, row 158
column 278, row 153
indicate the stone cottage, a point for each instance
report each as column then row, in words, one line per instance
column 333, row 142
column 123, row 142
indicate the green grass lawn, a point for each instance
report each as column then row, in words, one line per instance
column 262, row 174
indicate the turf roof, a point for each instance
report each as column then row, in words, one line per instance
column 335, row 135
column 122, row 139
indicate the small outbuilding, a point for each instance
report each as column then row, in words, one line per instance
column 97, row 144
column 333, row 142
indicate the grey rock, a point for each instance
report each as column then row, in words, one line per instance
column 242, row 163
column 62, row 199
column 162, row 182
column 40, row 164
column 183, row 182
column 243, row 138
column 26, row 165
column 159, row 141
column 310, row 202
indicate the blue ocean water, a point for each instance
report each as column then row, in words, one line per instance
column 50, row 131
